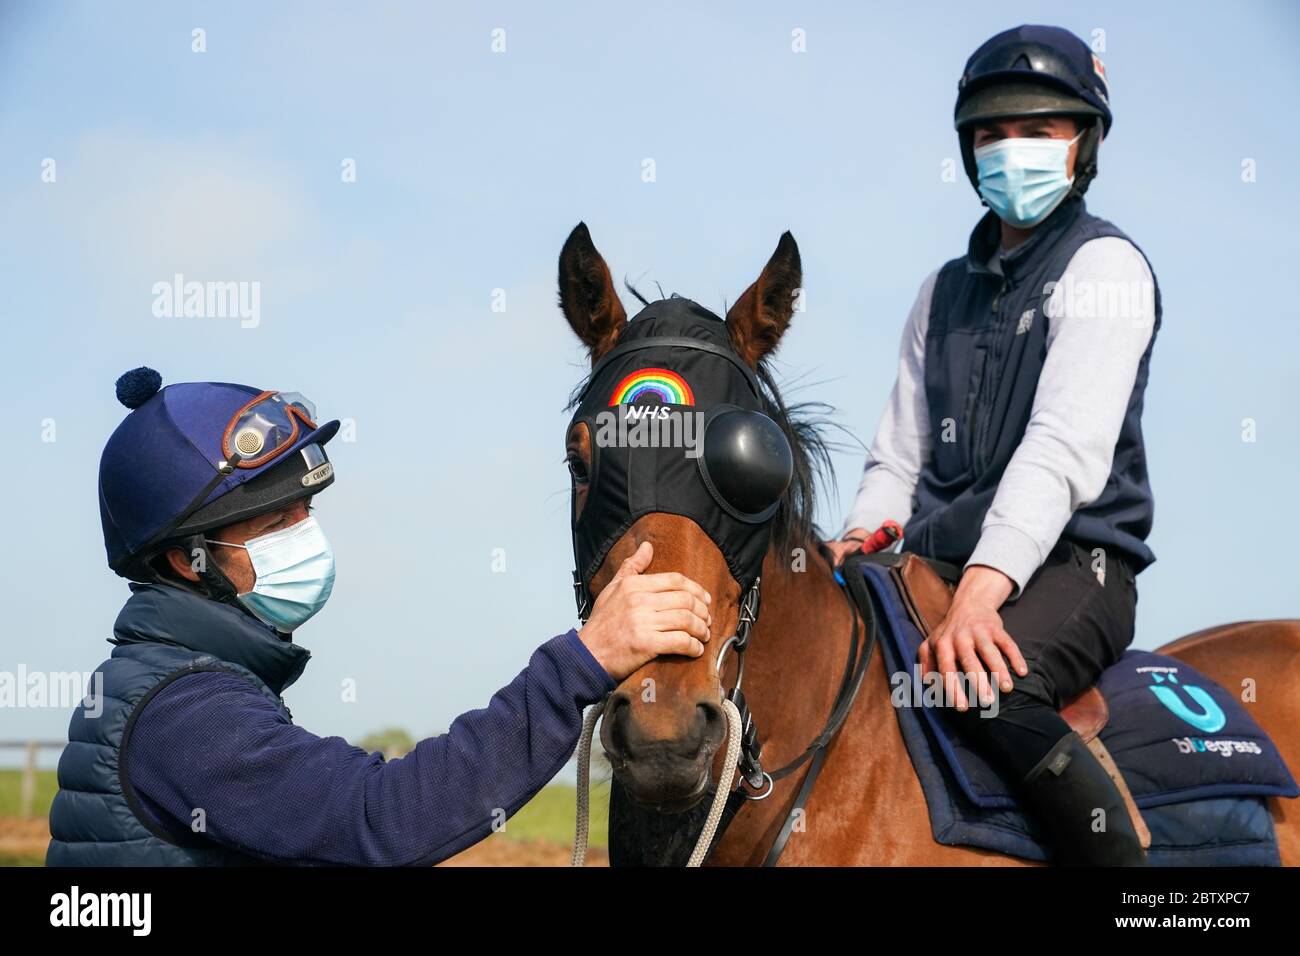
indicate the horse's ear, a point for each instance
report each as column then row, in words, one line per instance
column 760, row 316
column 587, row 295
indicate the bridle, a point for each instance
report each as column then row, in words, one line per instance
column 751, row 769
column 731, row 489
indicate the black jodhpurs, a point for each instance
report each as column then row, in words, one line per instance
column 1070, row 626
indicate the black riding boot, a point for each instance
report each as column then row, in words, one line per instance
column 1064, row 791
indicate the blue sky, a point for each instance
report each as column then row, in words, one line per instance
column 471, row 168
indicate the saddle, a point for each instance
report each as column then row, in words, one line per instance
column 926, row 588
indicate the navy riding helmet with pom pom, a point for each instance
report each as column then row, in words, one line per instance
column 137, row 386
column 165, row 454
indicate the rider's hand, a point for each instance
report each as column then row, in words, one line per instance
column 640, row 616
column 844, row 547
column 971, row 640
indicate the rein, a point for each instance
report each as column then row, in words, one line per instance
column 744, row 749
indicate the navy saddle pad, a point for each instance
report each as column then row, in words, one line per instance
column 1198, row 766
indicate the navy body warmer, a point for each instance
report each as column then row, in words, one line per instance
column 984, row 352
column 163, row 633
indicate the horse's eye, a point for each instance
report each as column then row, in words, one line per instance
column 578, row 469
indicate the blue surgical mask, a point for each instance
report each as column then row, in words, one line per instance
column 295, row 574
column 1023, row 180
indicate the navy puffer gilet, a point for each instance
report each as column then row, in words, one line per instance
column 984, row 352
column 163, row 633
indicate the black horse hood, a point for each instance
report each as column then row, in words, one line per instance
column 673, row 379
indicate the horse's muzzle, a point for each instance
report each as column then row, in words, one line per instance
column 666, row 771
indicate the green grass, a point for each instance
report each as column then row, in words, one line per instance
column 10, row 795
column 11, row 791
column 550, row 815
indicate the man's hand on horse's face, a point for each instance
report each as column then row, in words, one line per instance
column 638, row 617
column 971, row 640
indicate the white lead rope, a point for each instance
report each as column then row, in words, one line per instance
column 719, row 796
column 584, row 784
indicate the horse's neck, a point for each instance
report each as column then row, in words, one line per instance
column 797, row 654
column 867, row 808
column 797, row 662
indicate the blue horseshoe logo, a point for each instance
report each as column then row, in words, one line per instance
column 1211, row 718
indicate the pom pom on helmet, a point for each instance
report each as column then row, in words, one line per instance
column 137, row 386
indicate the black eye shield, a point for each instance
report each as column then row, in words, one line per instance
column 678, row 426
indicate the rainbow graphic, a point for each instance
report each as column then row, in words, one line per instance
column 647, row 383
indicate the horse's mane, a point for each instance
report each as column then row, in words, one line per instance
column 805, row 425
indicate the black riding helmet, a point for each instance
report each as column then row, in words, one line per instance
column 1035, row 71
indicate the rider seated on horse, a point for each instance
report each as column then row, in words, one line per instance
column 1012, row 441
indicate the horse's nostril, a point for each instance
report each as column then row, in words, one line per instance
column 615, row 741
column 715, row 726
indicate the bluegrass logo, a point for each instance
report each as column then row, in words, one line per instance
column 1207, row 717
column 75, row 908
column 1224, row 748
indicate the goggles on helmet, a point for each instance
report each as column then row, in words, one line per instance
column 265, row 427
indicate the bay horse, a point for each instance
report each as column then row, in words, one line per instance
column 867, row 807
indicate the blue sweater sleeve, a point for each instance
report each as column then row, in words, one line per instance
column 210, row 741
